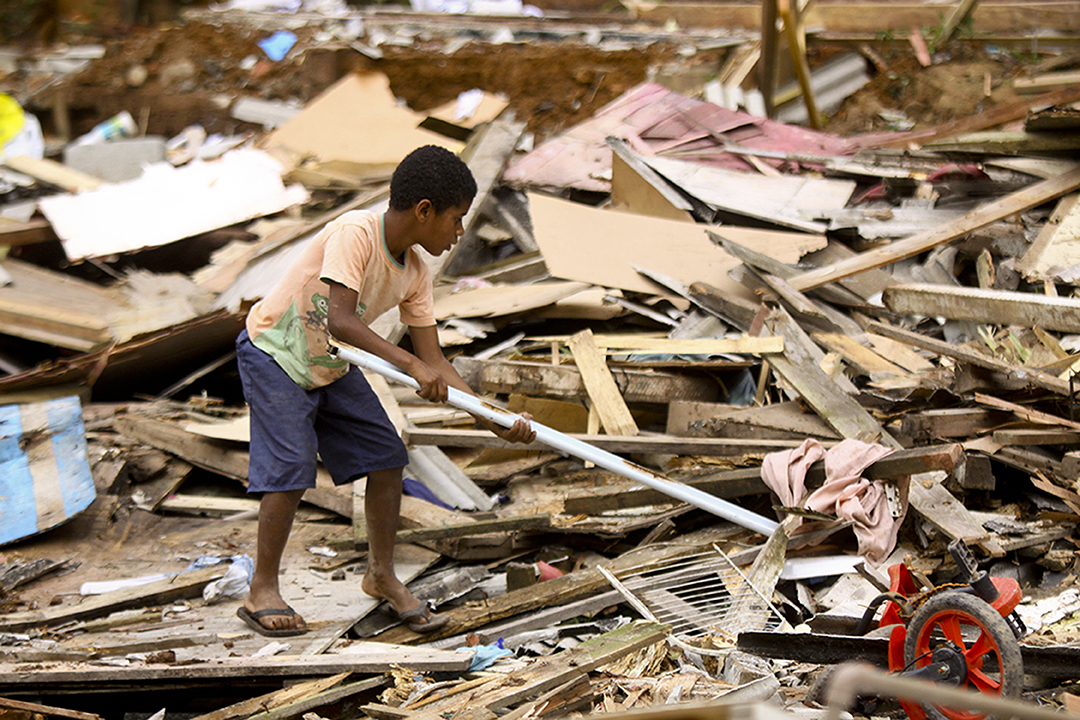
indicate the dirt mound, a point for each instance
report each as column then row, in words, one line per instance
column 180, row 74
column 964, row 81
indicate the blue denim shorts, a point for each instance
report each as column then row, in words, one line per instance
column 343, row 424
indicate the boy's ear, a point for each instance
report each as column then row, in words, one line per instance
column 424, row 210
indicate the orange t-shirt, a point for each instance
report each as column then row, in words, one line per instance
column 290, row 322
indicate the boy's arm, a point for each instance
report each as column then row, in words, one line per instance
column 344, row 325
column 425, row 342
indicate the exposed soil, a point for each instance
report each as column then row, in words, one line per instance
column 171, row 77
column 955, row 87
column 178, row 74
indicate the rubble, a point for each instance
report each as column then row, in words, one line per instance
column 824, row 375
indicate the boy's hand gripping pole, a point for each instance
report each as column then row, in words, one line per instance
column 572, row 446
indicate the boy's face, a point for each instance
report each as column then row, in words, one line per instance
column 441, row 231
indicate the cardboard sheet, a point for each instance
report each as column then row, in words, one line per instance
column 357, row 120
column 167, row 204
column 582, row 243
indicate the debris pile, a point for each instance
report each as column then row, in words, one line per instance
column 846, row 358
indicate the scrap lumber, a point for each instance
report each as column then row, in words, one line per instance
column 553, row 671
column 1031, row 376
column 54, row 173
column 222, row 457
column 273, row 700
column 1053, row 252
column 296, row 699
column 46, row 710
column 799, row 368
column 154, row 593
column 1047, row 81
column 857, row 354
column 938, row 424
column 19, row 572
column 985, row 306
column 781, row 420
column 449, row 437
column 366, row 658
column 537, row 521
column 1026, row 413
column 14, row 233
column 600, row 384
column 1016, row 202
column 569, row 588
column 501, row 377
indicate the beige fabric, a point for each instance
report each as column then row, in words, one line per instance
column 845, row 493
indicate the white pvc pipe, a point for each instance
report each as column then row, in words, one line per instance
column 573, row 446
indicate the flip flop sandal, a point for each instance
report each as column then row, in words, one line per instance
column 421, row 620
column 254, row 621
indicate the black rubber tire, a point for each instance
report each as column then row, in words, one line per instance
column 970, row 611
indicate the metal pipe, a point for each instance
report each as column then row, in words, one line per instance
column 559, row 441
column 851, row 679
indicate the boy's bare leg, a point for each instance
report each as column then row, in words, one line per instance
column 276, row 513
column 382, row 506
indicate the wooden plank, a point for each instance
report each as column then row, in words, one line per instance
column 858, row 355
column 518, row 523
column 53, row 173
column 625, row 343
column 1030, row 376
column 155, row 593
column 1026, row 413
column 899, row 354
column 14, row 234
column 380, row 659
column 997, row 307
column 449, row 437
column 782, row 421
column 799, row 369
column 1054, row 249
column 273, row 700
column 600, row 384
column 328, row 697
column 1047, row 81
column 937, row 424
column 1033, row 436
column 1019, row 201
column 500, row 377
column 47, row 710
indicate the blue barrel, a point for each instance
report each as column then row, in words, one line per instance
column 45, row 476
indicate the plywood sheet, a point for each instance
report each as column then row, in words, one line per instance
column 358, row 120
column 602, row 247
column 167, row 204
column 498, row 300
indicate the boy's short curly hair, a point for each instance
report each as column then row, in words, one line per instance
column 431, row 173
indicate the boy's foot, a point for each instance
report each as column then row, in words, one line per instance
column 255, row 621
column 421, row 620
column 405, row 606
column 268, row 614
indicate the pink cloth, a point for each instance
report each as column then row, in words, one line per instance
column 845, row 494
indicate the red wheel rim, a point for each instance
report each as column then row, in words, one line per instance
column 949, row 624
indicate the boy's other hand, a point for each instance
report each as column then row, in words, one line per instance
column 432, row 385
column 520, row 432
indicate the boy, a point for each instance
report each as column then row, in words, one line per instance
column 306, row 402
